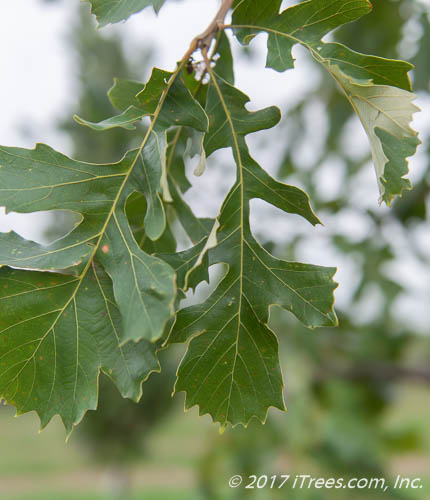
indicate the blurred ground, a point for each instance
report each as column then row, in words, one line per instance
column 43, row 466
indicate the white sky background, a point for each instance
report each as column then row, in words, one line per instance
column 37, row 86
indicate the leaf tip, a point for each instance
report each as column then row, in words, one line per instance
column 80, row 121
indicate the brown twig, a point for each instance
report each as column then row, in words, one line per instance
column 204, row 40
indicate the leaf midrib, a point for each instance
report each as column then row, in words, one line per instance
column 322, row 60
column 81, row 277
column 124, row 182
column 242, row 224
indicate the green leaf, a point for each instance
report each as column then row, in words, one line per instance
column 378, row 89
column 231, row 368
column 396, row 167
column 364, row 67
column 113, row 11
column 42, row 179
column 137, row 101
column 143, row 285
column 224, row 58
column 243, row 121
column 126, row 120
column 104, row 269
column 136, row 208
column 123, row 93
column 55, row 338
column 304, row 23
column 151, row 182
column 386, row 113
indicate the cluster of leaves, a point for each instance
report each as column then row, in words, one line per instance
column 107, row 295
column 350, row 388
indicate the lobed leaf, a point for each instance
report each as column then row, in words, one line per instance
column 378, row 89
column 109, row 288
column 231, row 368
column 306, row 23
column 55, row 337
column 386, row 113
column 43, row 179
column 138, row 100
column 378, row 70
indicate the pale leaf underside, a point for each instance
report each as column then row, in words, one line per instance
column 379, row 89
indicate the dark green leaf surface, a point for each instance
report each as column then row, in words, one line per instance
column 138, row 100
column 142, row 286
column 43, row 179
column 364, row 67
column 243, row 121
column 136, row 207
column 231, row 369
column 305, row 23
column 113, row 11
column 224, row 59
column 55, row 337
